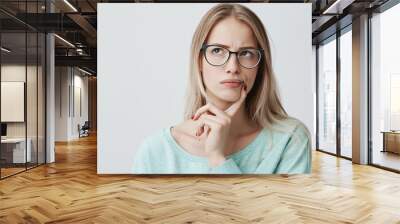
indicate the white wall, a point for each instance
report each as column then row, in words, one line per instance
column 314, row 84
column 61, row 103
column 143, row 69
column 67, row 80
column 80, row 83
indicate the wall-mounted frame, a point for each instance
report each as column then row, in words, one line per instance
column 12, row 101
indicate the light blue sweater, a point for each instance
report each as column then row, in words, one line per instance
column 284, row 148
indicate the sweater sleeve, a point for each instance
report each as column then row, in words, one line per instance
column 296, row 156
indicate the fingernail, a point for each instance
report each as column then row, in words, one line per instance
column 192, row 117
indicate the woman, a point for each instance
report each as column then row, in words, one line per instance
column 234, row 120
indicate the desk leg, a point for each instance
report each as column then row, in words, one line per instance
column 384, row 143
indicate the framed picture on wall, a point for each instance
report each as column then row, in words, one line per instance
column 12, row 101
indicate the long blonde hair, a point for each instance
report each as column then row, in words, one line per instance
column 262, row 103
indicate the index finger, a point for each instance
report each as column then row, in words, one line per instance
column 235, row 106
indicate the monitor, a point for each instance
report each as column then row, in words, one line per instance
column 3, row 129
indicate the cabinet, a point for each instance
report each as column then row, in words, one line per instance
column 13, row 150
column 391, row 141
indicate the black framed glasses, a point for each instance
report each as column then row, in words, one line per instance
column 218, row 55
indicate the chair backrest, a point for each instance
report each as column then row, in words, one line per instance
column 86, row 125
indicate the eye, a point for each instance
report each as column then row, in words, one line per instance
column 246, row 53
column 217, row 50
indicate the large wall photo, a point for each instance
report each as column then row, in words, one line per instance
column 143, row 77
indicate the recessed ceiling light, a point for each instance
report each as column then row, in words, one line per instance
column 5, row 50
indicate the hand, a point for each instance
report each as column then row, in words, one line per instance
column 215, row 125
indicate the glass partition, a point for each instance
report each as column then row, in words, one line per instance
column 41, row 107
column 13, row 105
column 32, row 95
column 22, row 77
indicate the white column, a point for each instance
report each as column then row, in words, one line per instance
column 360, row 90
column 50, row 92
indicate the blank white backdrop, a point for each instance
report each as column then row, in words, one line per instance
column 143, row 66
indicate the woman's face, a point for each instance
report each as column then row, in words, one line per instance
column 234, row 35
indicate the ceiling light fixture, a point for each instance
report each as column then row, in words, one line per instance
column 65, row 41
column 70, row 5
column 86, row 72
column 334, row 8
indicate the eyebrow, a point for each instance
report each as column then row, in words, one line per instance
column 222, row 45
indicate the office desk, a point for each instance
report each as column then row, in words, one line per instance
column 391, row 141
column 15, row 148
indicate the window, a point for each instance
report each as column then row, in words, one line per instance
column 385, row 88
column 327, row 96
column 346, row 94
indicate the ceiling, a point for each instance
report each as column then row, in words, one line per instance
column 76, row 22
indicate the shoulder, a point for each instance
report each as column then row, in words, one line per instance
column 149, row 152
column 295, row 156
column 164, row 138
column 153, row 143
column 291, row 127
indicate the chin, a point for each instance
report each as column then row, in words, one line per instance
column 228, row 97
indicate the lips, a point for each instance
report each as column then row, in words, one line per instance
column 238, row 81
column 232, row 83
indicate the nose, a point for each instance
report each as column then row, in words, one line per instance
column 232, row 65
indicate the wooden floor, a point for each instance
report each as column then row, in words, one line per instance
column 70, row 191
column 5, row 172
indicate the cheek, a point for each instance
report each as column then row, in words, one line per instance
column 250, row 77
column 210, row 74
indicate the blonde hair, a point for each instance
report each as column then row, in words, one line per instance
column 262, row 103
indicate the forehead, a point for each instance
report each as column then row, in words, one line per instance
column 233, row 33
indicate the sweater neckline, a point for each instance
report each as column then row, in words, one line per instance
column 245, row 150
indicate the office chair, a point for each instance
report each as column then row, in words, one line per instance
column 84, row 130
